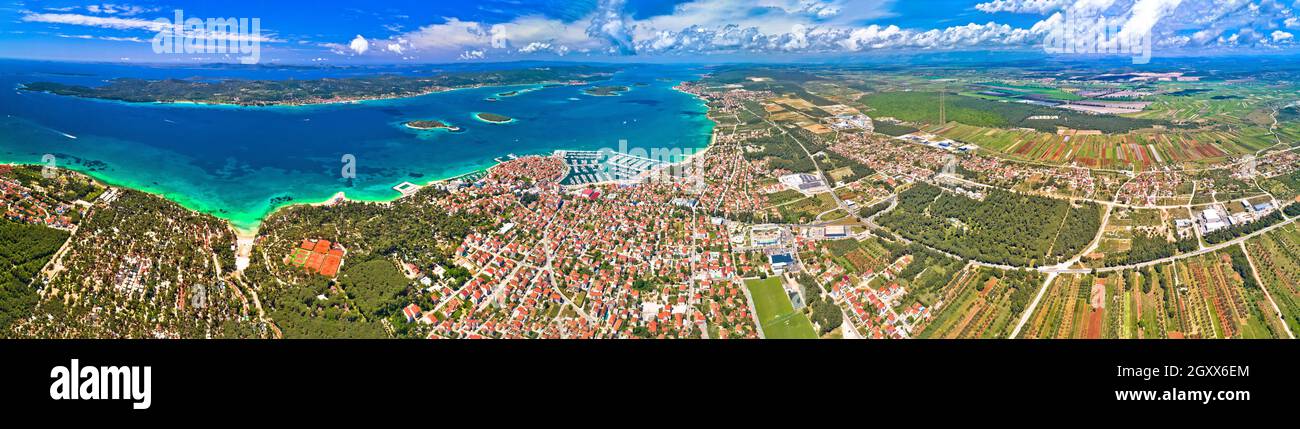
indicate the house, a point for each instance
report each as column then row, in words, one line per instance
column 411, row 312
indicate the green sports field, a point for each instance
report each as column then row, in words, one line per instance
column 775, row 311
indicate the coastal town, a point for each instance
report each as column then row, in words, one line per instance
column 813, row 213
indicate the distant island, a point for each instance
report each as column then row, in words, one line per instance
column 606, row 91
column 494, row 118
column 293, row 92
column 431, row 124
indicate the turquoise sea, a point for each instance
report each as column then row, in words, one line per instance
column 240, row 163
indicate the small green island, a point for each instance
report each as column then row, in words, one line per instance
column 431, row 124
column 493, row 118
column 606, row 91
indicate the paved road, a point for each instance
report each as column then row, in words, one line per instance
column 1202, row 251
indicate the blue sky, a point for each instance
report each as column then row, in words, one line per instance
column 336, row 32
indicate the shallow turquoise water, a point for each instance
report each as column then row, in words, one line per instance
column 234, row 161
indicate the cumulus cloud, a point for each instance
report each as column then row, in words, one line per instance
column 611, row 24
column 822, row 26
column 1144, row 16
column 526, row 34
column 359, row 45
column 452, row 34
column 1171, row 23
column 537, row 47
column 1282, row 36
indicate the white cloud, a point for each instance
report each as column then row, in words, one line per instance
column 96, row 21
column 163, row 26
column 118, row 9
column 1144, row 16
column 525, row 34
column 611, row 24
column 452, row 34
column 108, row 38
column 539, row 47
column 1280, row 36
column 1023, row 6
column 359, row 45
column 827, row 26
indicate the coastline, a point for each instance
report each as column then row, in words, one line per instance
column 298, row 104
column 529, row 87
column 249, row 228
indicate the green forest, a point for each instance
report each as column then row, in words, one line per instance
column 824, row 312
column 1005, row 228
column 370, row 287
column 24, row 249
column 924, row 107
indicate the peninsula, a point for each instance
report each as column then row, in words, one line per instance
column 315, row 91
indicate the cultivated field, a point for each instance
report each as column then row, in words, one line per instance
column 1277, row 259
column 982, row 303
column 1199, row 297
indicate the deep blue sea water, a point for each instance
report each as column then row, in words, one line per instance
column 234, row 161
